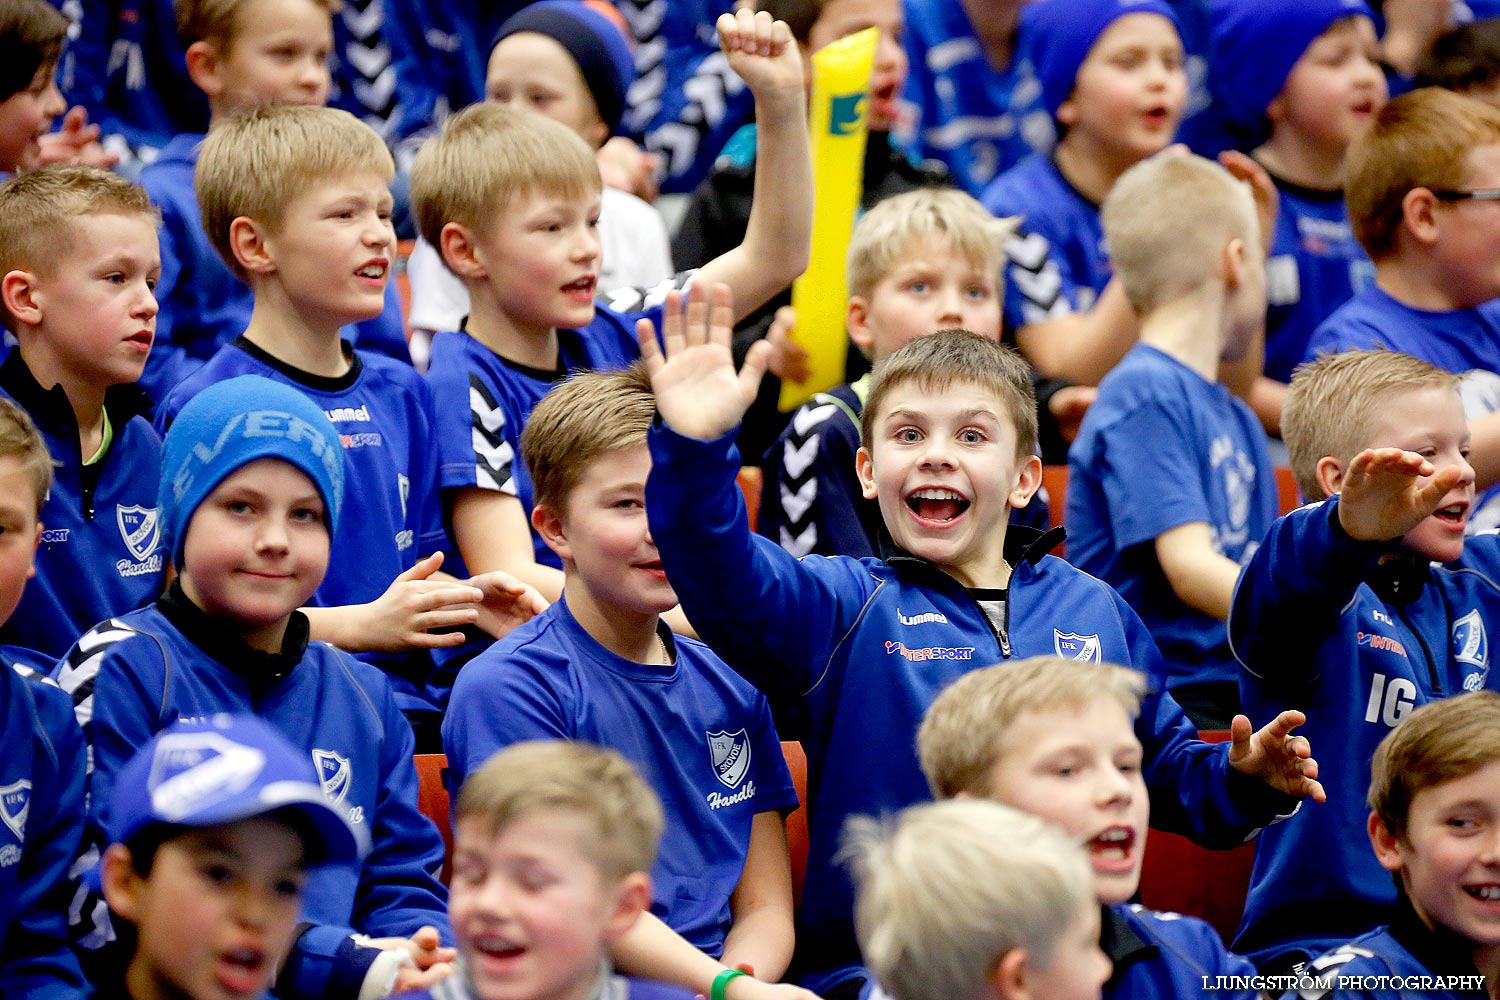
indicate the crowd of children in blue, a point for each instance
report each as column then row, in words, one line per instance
column 252, row 561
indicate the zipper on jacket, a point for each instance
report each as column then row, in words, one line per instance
column 1432, row 671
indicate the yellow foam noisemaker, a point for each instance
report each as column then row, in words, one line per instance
column 838, row 118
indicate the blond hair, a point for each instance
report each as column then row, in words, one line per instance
column 1335, row 400
column 19, row 439
column 38, row 208
column 945, row 889
column 32, row 33
column 967, row 728
column 958, row 357
column 254, row 163
column 217, row 22
column 891, row 231
column 1167, row 219
column 1420, row 139
column 579, row 421
column 1441, row 741
column 598, row 785
column 486, row 156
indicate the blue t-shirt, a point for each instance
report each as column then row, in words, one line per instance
column 1315, row 265
column 482, row 403
column 1056, row 263
column 100, row 553
column 1159, row 954
column 1162, row 447
column 978, row 120
column 382, row 410
column 203, row 305
column 700, row 735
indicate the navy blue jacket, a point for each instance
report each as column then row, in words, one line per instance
column 852, row 651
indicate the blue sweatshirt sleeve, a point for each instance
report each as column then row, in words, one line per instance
column 1291, row 593
column 772, row 617
column 810, row 500
column 37, row 961
column 1194, row 791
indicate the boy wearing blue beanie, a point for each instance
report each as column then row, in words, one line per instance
column 251, row 489
column 1301, row 80
column 1111, row 74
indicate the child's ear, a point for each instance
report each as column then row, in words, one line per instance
column 1067, row 113
column 1419, row 215
column 864, row 468
column 857, row 321
column 632, row 898
column 1385, row 844
column 121, row 883
column 247, row 238
column 36, row 543
column 1330, row 475
column 203, row 68
column 1232, row 261
column 549, row 524
column 19, row 290
column 460, row 252
column 1008, row 982
column 1027, row 483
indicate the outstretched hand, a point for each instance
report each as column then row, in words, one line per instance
column 698, row 392
column 507, row 603
column 1274, row 755
column 1382, row 498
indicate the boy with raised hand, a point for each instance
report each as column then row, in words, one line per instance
column 41, row 753
column 213, row 827
column 949, row 430
column 251, row 492
column 1304, row 78
column 1421, row 184
column 512, row 200
column 1434, row 803
column 297, row 199
column 1172, row 542
column 599, row 665
column 242, row 54
column 919, row 262
column 1054, row 737
column 552, row 845
column 568, row 61
column 974, row 900
column 78, row 262
column 1357, row 608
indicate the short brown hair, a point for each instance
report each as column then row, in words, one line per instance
column 952, row 357
column 19, row 439
column 1167, row 219
column 217, row 22
column 967, row 728
column 31, row 40
column 885, row 235
column 1441, row 741
column 37, row 210
column 587, row 416
column 1333, row 402
column 1420, row 139
column 252, row 164
column 592, row 782
column 488, row 154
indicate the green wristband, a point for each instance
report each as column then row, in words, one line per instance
column 721, row 983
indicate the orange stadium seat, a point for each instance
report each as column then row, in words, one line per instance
column 1286, row 489
column 750, row 481
column 432, row 799
column 796, row 822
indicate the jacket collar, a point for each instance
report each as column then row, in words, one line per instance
column 1439, row 951
column 258, row 668
column 1023, row 546
column 1121, row 942
column 51, row 406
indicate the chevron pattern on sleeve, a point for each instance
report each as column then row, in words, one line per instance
column 493, row 455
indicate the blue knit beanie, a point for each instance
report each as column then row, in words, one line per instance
column 231, row 424
column 1063, row 31
column 594, row 41
column 1257, row 42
